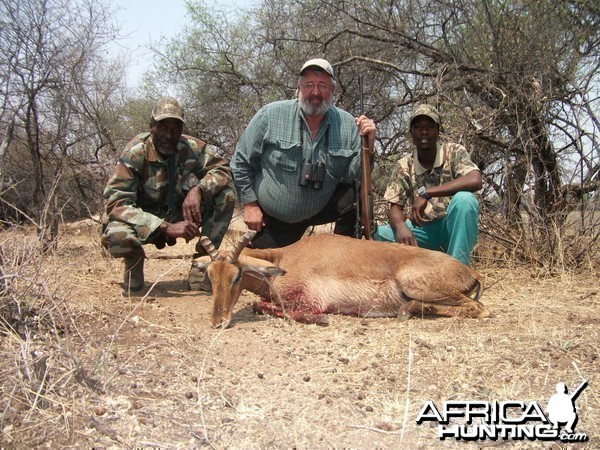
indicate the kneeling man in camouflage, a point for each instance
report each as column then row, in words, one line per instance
column 166, row 185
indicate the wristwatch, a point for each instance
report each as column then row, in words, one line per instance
column 423, row 193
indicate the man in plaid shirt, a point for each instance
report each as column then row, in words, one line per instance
column 296, row 161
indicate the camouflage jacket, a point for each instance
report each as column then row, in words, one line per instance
column 452, row 161
column 137, row 192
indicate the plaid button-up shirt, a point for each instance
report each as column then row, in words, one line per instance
column 268, row 158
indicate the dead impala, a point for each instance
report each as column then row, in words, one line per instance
column 332, row 274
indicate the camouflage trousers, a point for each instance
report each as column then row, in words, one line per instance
column 121, row 240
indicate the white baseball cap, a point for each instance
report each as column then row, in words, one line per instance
column 320, row 63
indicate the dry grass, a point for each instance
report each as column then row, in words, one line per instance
column 95, row 369
column 572, row 244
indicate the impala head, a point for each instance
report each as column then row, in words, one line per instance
column 226, row 271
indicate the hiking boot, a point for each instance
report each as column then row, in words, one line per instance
column 198, row 281
column 133, row 277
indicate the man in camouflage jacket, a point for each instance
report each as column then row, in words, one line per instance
column 166, row 185
column 433, row 188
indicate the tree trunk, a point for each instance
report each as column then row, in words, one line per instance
column 3, row 148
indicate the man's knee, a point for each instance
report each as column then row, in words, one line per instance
column 464, row 201
column 344, row 197
column 384, row 233
column 120, row 240
column 340, row 208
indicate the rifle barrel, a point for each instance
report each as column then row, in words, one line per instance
column 360, row 90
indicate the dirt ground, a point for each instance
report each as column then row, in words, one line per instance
column 149, row 371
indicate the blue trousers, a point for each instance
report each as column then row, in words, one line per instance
column 455, row 234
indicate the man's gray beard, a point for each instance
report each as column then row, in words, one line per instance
column 310, row 110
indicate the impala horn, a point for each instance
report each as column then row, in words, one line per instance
column 210, row 248
column 235, row 253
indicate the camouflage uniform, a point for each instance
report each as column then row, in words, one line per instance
column 452, row 161
column 456, row 236
column 137, row 194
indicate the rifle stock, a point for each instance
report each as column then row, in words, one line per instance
column 365, row 201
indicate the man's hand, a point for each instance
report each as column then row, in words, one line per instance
column 191, row 206
column 184, row 229
column 417, row 215
column 404, row 235
column 366, row 127
column 253, row 216
column 398, row 222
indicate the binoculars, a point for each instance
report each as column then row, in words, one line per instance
column 312, row 174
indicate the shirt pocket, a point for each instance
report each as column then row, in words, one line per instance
column 284, row 155
column 337, row 162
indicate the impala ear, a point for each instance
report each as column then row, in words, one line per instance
column 260, row 268
column 202, row 262
column 262, row 271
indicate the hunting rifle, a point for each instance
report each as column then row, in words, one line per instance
column 363, row 188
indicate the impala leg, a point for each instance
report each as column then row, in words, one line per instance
column 461, row 306
column 298, row 316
